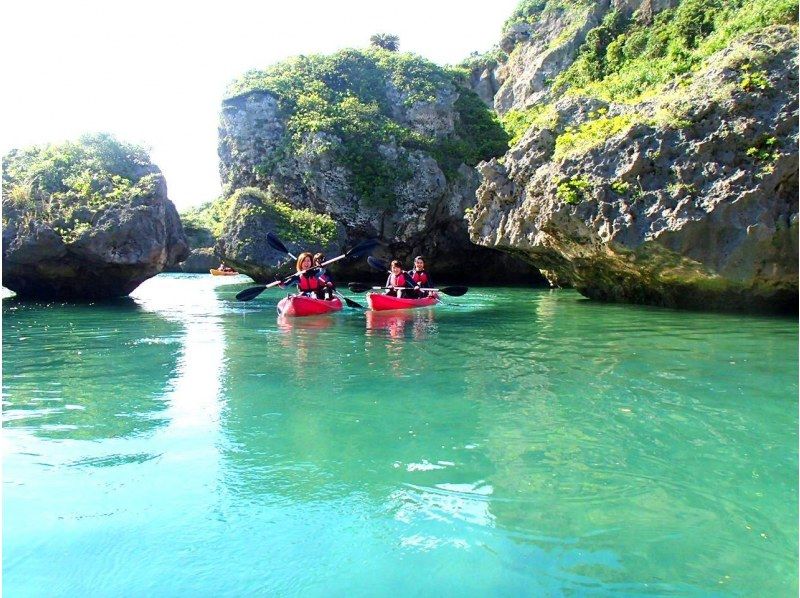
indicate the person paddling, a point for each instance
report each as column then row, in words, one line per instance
column 398, row 278
column 420, row 278
column 307, row 282
column 326, row 289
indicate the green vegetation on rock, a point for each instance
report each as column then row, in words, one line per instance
column 531, row 11
column 204, row 223
column 590, row 134
column 65, row 184
column 292, row 224
column 517, row 122
column 352, row 94
column 628, row 59
column 573, row 190
column 624, row 58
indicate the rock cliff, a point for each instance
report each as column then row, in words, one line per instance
column 382, row 143
column 85, row 220
column 682, row 193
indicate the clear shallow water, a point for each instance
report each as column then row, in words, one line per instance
column 508, row 443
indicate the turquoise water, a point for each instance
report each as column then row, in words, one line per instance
column 510, row 442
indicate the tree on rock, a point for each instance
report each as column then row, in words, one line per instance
column 387, row 41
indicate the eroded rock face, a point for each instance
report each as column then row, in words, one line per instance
column 537, row 53
column 113, row 251
column 426, row 217
column 693, row 203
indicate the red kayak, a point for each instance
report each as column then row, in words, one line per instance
column 299, row 305
column 380, row 302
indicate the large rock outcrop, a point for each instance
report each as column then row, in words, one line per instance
column 377, row 147
column 689, row 199
column 86, row 221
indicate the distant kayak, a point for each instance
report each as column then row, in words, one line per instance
column 298, row 306
column 223, row 272
column 381, row 302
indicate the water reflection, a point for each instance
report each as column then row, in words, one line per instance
column 418, row 324
column 86, row 371
column 556, row 445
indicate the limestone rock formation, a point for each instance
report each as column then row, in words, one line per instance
column 383, row 157
column 85, row 221
column 689, row 199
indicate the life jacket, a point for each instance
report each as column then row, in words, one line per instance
column 420, row 278
column 397, row 281
column 307, row 283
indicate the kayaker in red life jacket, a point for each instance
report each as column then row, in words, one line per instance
column 326, row 282
column 398, row 278
column 420, row 278
column 308, row 284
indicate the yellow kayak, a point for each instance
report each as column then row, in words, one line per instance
column 223, row 272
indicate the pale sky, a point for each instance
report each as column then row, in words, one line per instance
column 152, row 72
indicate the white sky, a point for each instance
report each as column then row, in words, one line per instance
column 153, row 72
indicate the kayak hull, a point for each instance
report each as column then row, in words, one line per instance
column 298, row 306
column 215, row 272
column 381, row 302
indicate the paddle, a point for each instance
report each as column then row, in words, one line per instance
column 377, row 264
column 358, row 250
column 455, row 291
column 278, row 245
column 350, row 302
column 374, row 262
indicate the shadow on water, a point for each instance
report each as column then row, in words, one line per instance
column 86, row 371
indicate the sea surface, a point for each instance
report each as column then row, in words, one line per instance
column 510, row 442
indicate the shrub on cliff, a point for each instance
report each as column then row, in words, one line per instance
column 54, row 181
column 624, row 58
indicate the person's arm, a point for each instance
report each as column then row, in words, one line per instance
column 294, row 281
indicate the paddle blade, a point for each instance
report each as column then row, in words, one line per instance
column 362, row 248
column 454, row 291
column 276, row 243
column 251, row 293
column 358, row 287
column 377, row 264
column 350, row 302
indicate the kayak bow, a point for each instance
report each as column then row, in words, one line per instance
column 299, row 305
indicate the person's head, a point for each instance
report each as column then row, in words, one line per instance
column 304, row 261
column 419, row 262
column 319, row 258
column 397, row 267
